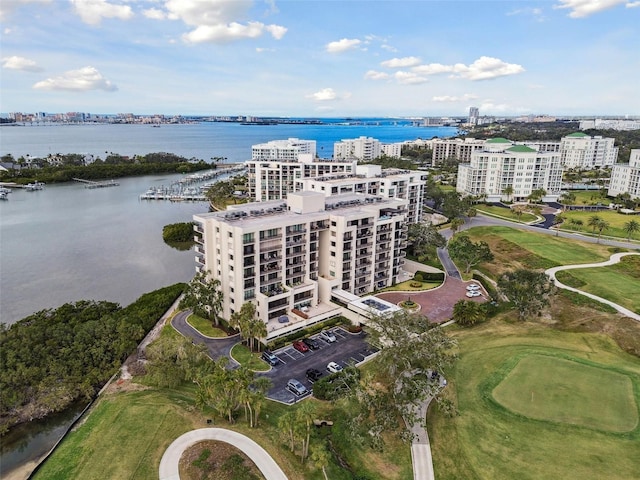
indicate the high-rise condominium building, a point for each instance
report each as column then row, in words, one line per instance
column 458, row 148
column 290, row 258
column 362, row 148
column 474, row 113
column 504, row 171
column 580, row 150
column 373, row 180
column 625, row 178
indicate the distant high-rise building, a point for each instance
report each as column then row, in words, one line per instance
column 625, row 177
column 579, row 150
column 474, row 113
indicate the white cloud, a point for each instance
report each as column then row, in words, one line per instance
column 93, row 11
column 86, row 78
column 262, row 50
column 401, row 62
column 374, row 75
column 20, row 63
column 536, row 13
column 217, row 21
column 483, row 68
column 584, row 8
column 409, row 78
column 154, row 14
column 8, row 6
column 452, row 99
column 342, row 45
column 388, row 48
column 323, row 95
column 632, row 4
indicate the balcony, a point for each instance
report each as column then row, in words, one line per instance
column 273, row 244
column 296, row 241
column 271, row 257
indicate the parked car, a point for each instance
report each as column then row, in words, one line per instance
column 313, row 374
column 333, row 367
column 300, row 346
column 474, row 293
column 328, row 336
column 311, row 343
column 295, row 387
column 270, row 358
column 473, row 286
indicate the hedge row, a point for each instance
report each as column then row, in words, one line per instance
column 310, row 330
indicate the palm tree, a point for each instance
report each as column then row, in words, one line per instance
column 602, row 225
column 594, row 220
column 508, row 191
column 630, row 228
column 466, row 312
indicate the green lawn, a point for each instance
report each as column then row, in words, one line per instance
column 556, row 250
column 530, row 439
column 204, row 326
column 616, row 223
column 619, row 283
column 590, row 197
column 506, row 213
column 565, row 391
column 252, row 361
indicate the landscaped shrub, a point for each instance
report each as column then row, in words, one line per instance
column 493, row 293
column 418, row 277
column 336, row 385
column 430, row 276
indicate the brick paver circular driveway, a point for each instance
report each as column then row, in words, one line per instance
column 437, row 304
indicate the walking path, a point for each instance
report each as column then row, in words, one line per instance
column 421, row 448
column 615, row 258
column 169, row 465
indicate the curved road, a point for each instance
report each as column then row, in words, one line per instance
column 615, row 258
column 169, row 465
column 217, row 347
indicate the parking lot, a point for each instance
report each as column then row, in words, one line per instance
column 348, row 349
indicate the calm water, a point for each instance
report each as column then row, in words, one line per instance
column 201, row 140
column 67, row 243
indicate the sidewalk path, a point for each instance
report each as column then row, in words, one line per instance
column 171, row 458
column 615, row 258
column 421, row 448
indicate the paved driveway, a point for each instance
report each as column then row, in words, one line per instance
column 437, row 304
column 348, row 349
column 217, row 347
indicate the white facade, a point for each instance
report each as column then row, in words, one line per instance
column 625, row 178
column 290, row 257
column 458, row 148
column 373, row 180
column 579, row 150
column 362, row 148
column 502, row 165
column 283, row 150
column 393, row 150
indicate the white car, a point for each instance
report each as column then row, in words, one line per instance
column 328, row 336
column 473, row 287
column 474, row 293
column 333, row 367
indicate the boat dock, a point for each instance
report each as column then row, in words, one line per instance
column 186, row 189
column 92, row 184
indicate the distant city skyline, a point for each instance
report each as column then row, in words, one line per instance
column 369, row 58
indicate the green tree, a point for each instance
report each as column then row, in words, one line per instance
column 456, row 223
column 410, row 347
column 594, row 222
column 568, row 198
column 528, row 290
column 602, row 226
column 537, row 195
column 472, row 213
column 204, row 297
column 467, row 313
column 454, row 205
column 320, row 459
column 422, row 237
column 463, row 250
column 630, row 228
column 508, row 191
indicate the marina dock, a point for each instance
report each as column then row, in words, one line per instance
column 92, row 184
column 187, row 189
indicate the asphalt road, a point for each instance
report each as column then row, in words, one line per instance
column 217, row 347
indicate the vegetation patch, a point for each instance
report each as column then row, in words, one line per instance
column 509, row 213
column 248, row 359
column 566, row 391
column 179, row 235
column 487, row 440
column 582, row 221
column 217, row 460
column 205, row 326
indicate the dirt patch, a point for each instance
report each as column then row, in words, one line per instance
column 212, row 460
column 122, row 385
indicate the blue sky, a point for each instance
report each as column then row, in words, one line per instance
column 321, row 58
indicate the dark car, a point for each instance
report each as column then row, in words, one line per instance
column 300, row 346
column 313, row 374
column 311, row 343
column 270, row 358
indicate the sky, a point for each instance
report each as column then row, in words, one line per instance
column 321, row 58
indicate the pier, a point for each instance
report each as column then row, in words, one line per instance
column 92, row 184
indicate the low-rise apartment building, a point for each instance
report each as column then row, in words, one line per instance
column 504, row 171
column 374, row 180
column 290, row 257
column 625, row 177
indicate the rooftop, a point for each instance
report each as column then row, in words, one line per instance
column 577, row 135
column 498, row 140
column 521, row 149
